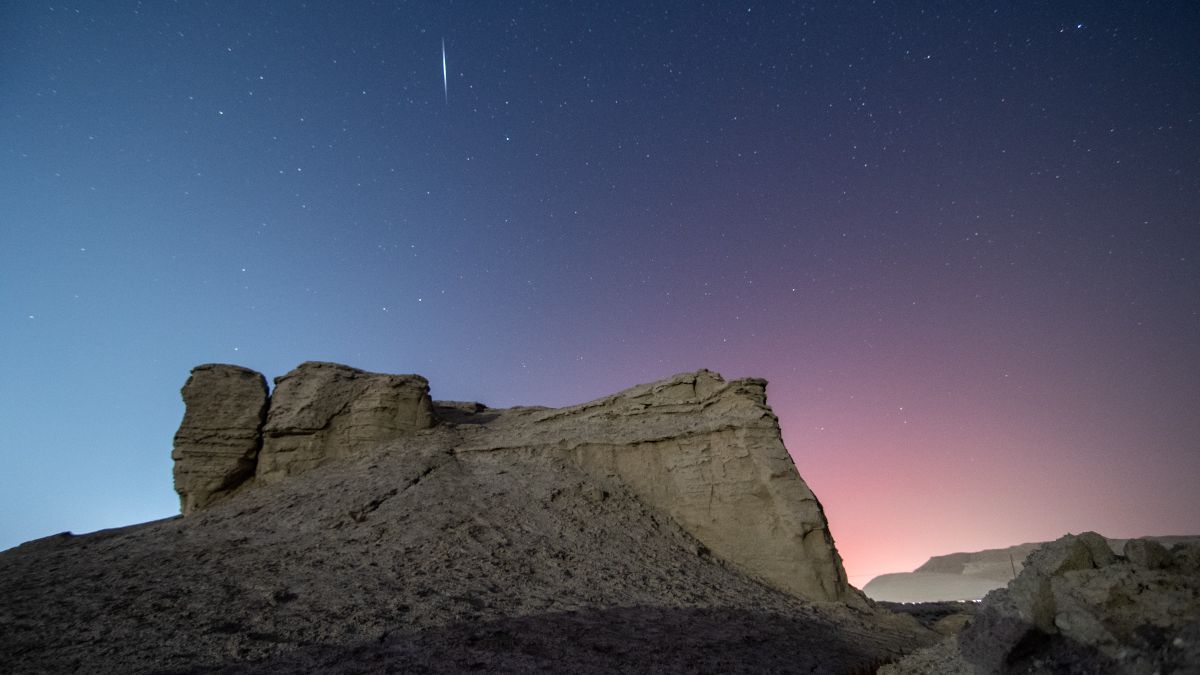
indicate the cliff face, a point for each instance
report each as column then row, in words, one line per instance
column 709, row 454
column 705, row 452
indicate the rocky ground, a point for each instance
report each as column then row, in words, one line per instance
column 970, row 576
column 1077, row 607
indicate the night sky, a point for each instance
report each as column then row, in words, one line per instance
column 961, row 240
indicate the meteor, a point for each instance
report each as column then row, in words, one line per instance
column 445, row 81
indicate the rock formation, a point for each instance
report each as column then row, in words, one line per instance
column 1079, row 607
column 216, row 447
column 655, row 530
column 705, row 452
column 321, row 411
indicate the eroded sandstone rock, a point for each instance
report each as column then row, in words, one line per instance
column 701, row 451
column 321, row 411
column 709, row 454
column 217, row 444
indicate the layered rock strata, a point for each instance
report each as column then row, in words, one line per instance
column 705, row 452
column 709, row 454
column 321, row 411
column 216, row 447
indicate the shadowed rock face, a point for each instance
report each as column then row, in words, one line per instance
column 217, row 444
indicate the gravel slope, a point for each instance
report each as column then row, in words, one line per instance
column 417, row 558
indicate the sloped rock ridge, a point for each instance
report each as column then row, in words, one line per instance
column 705, row 452
column 1079, row 607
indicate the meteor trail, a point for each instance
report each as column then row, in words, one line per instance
column 445, row 81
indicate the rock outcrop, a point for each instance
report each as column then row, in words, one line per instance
column 216, row 447
column 321, row 411
column 1078, row 607
column 705, row 452
column 709, row 454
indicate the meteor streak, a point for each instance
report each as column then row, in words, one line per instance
column 445, row 81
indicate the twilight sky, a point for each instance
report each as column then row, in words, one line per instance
column 961, row 240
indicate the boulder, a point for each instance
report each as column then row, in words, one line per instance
column 1148, row 553
column 321, row 411
column 217, row 445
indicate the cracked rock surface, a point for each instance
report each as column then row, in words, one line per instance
column 322, row 411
